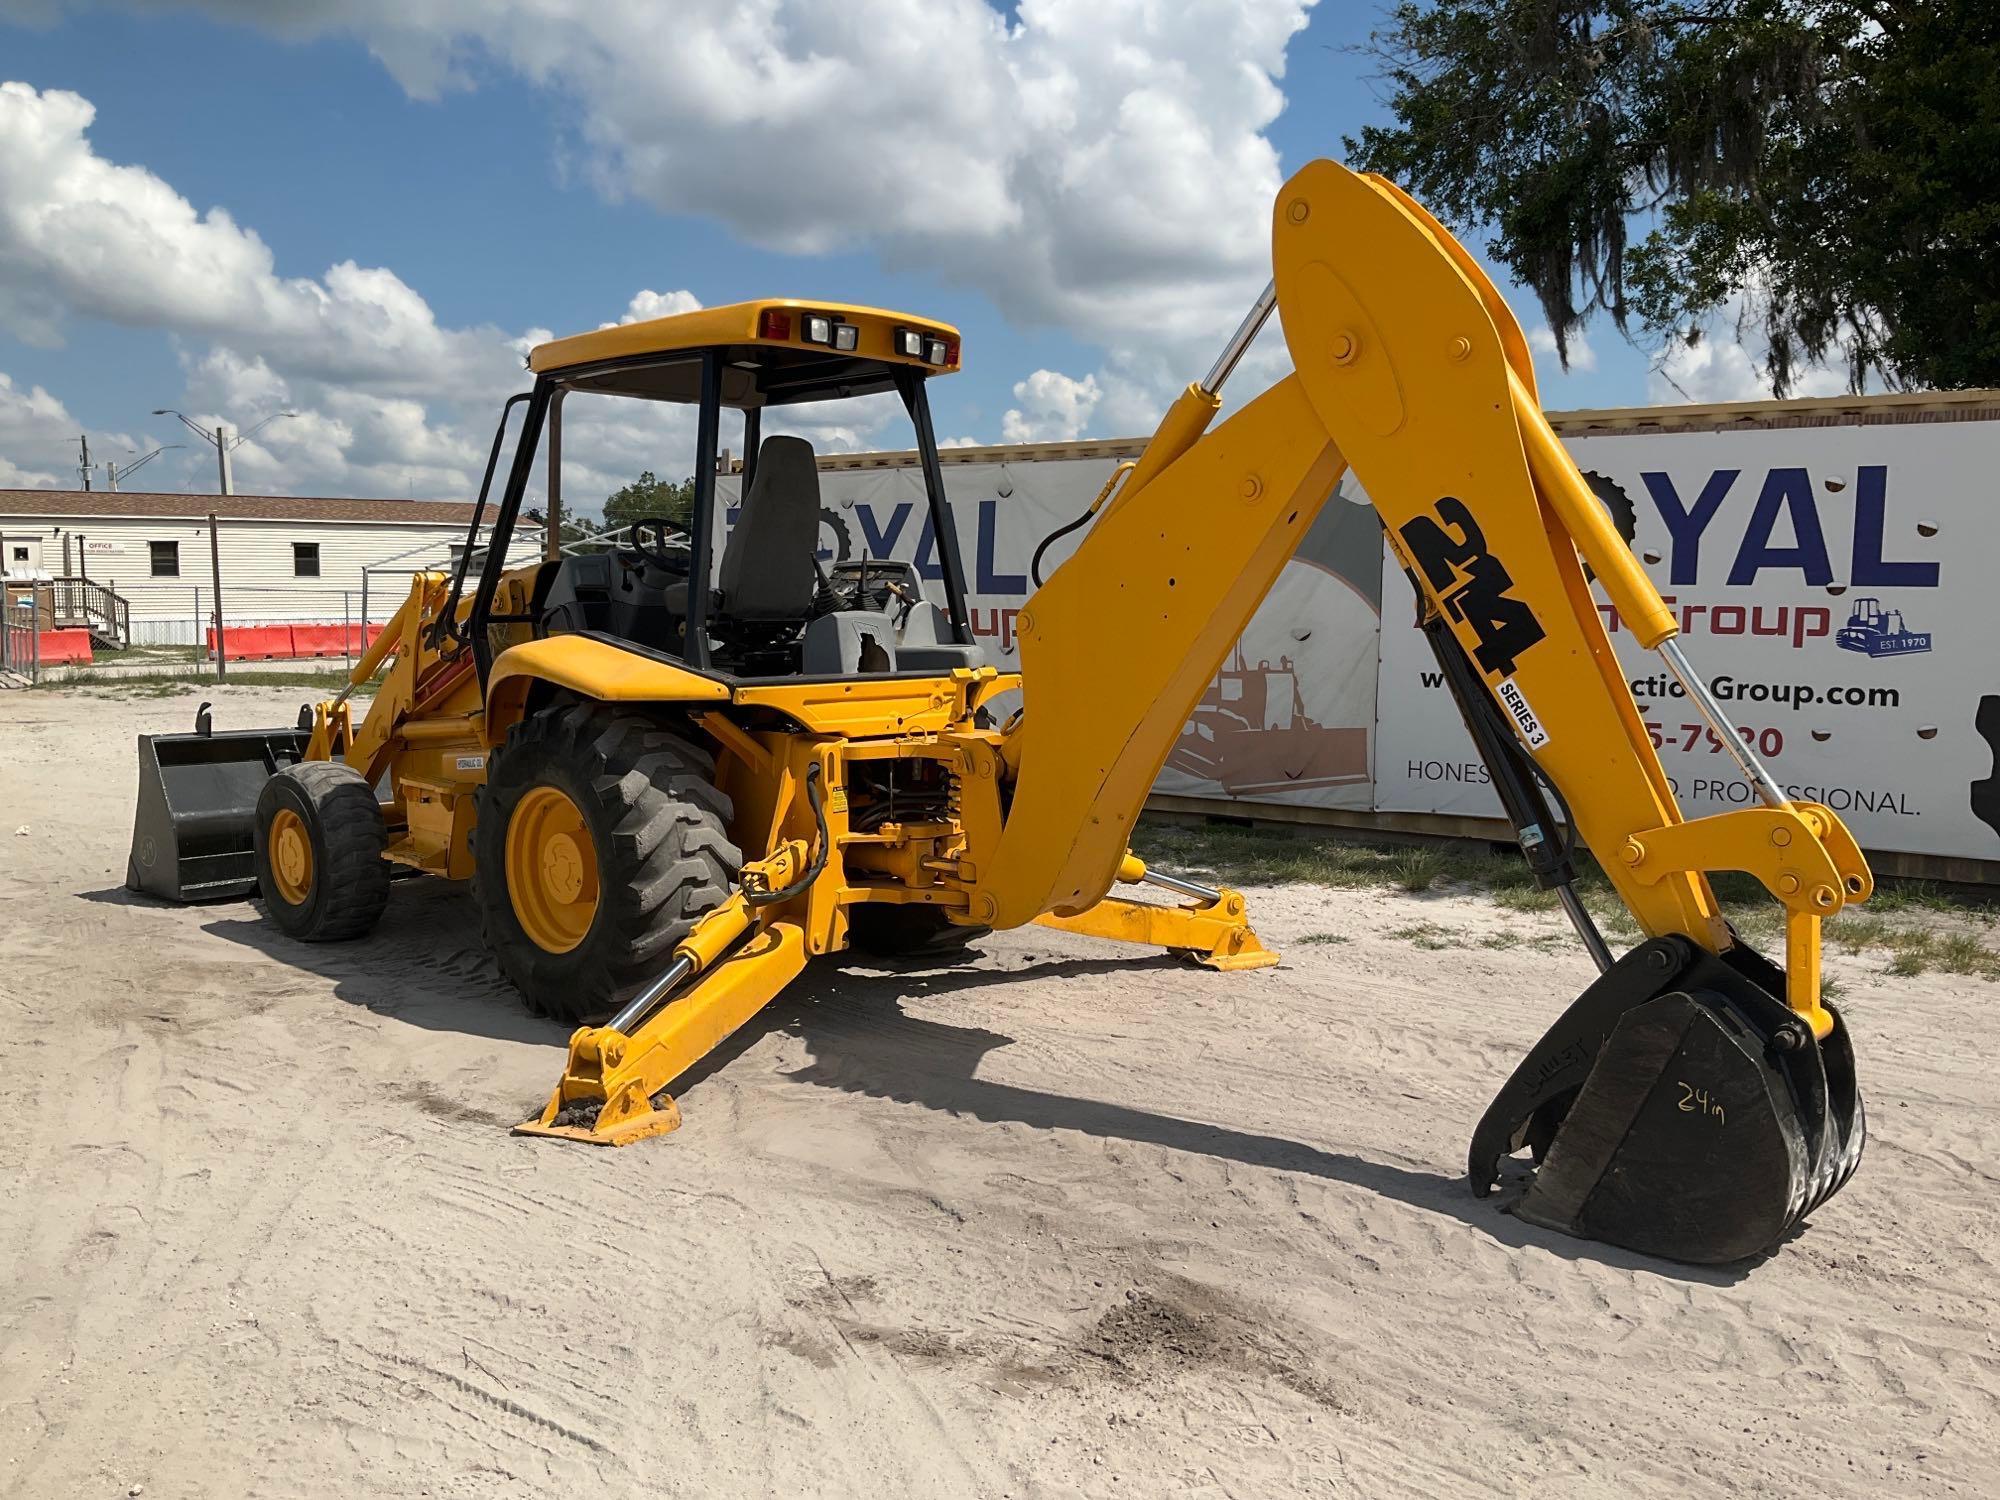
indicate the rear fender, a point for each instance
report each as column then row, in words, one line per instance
column 590, row 669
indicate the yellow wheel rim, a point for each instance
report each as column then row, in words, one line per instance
column 291, row 856
column 551, row 870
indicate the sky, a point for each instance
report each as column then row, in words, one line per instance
column 364, row 212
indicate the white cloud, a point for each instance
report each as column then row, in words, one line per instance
column 81, row 236
column 31, row 414
column 1095, row 165
column 1054, row 408
column 37, row 438
column 647, row 305
column 388, row 400
column 1582, row 358
column 340, row 441
column 1727, row 369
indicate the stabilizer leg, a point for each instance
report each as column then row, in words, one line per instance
column 1213, row 929
column 610, row 1093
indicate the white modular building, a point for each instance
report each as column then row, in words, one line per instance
column 142, row 568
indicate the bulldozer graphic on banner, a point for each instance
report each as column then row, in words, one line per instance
column 1875, row 631
column 1250, row 735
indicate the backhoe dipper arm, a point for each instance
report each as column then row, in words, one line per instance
column 1409, row 367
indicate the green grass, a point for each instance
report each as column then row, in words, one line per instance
column 104, row 657
column 1429, row 935
column 164, row 684
column 1240, row 855
column 1326, row 938
column 1416, row 870
column 1903, row 917
column 1914, row 948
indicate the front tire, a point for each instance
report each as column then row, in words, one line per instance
column 602, row 838
column 319, row 837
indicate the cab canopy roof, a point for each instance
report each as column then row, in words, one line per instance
column 774, row 352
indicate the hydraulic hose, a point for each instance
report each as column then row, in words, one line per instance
column 817, row 801
column 1035, row 563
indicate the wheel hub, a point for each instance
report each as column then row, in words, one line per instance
column 291, row 856
column 562, row 868
column 551, row 870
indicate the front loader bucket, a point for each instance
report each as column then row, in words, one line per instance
column 1680, row 1109
column 193, row 835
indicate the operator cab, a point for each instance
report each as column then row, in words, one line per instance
column 771, row 587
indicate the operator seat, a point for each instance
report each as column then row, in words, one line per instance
column 767, row 574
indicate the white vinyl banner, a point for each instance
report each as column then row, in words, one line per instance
column 1290, row 715
column 1829, row 583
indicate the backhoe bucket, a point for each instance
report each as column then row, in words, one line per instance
column 193, row 836
column 1679, row 1108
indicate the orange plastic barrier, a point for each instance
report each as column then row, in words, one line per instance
column 255, row 642
column 273, row 642
column 318, row 640
column 60, row 646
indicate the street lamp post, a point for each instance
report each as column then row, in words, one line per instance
column 221, row 441
column 114, row 473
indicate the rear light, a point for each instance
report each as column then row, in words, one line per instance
column 845, row 337
column 774, row 323
column 818, row 328
column 951, row 352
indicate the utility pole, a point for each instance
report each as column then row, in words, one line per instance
column 215, row 570
column 222, row 460
column 83, row 463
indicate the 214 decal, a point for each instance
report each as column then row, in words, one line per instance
column 1472, row 585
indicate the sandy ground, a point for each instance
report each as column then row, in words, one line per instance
column 1068, row 1221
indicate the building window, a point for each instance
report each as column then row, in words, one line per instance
column 305, row 559
column 166, row 559
column 20, row 554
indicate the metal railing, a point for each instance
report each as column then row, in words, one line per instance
column 20, row 640
column 85, row 602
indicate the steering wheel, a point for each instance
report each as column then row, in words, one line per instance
column 649, row 538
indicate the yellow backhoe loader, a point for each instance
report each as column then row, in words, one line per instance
column 678, row 770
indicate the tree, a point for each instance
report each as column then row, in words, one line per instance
column 1830, row 169
column 651, row 496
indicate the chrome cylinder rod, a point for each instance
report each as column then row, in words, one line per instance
column 1182, row 887
column 1718, row 722
column 1579, row 918
column 1246, row 332
column 643, row 1004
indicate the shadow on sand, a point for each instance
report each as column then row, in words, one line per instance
column 425, row 966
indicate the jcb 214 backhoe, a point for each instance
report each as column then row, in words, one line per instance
column 676, row 771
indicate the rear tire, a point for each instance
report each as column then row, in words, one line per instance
column 649, row 829
column 319, row 838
